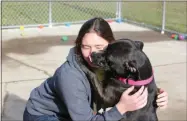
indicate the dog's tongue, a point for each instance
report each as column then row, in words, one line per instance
column 90, row 59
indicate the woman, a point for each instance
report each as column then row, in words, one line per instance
column 68, row 95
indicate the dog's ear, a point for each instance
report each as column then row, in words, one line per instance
column 131, row 69
column 139, row 44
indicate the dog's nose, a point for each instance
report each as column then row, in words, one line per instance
column 92, row 56
column 93, row 53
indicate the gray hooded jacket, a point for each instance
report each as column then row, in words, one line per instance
column 67, row 95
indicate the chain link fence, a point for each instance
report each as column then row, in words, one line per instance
column 143, row 13
column 176, row 16
column 160, row 15
column 24, row 13
column 165, row 16
column 15, row 14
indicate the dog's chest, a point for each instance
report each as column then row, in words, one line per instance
column 100, row 74
column 147, row 113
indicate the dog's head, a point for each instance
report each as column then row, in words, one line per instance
column 124, row 58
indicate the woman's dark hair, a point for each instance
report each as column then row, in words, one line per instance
column 102, row 29
column 97, row 25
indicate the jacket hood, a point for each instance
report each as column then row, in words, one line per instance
column 73, row 58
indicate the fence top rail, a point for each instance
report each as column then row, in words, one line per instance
column 92, row 0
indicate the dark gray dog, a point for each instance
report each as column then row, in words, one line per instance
column 125, row 64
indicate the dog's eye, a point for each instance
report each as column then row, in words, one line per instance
column 101, row 63
column 110, row 63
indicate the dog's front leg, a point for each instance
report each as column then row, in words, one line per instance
column 113, row 90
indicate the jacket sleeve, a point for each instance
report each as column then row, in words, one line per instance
column 73, row 93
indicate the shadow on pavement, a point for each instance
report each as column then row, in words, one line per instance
column 13, row 108
column 38, row 45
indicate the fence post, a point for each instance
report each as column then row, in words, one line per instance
column 117, row 9
column 163, row 16
column 50, row 13
column 120, row 10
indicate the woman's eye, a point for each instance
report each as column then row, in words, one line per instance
column 99, row 47
column 85, row 47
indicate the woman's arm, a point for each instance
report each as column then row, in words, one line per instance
column 73, row 93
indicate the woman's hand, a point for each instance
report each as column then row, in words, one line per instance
column 132, row 102
column 162, row 99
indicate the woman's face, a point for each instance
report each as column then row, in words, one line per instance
column 92, row 43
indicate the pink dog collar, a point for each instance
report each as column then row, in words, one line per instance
column 138, row 82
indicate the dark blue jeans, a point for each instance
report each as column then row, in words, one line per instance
column 28, row 117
